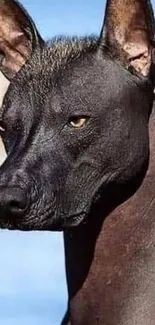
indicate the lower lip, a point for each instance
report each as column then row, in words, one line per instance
column 64, row 223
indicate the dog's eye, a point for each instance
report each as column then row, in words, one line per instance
column 78, row 121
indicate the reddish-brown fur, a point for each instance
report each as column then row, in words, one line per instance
column 111, row 264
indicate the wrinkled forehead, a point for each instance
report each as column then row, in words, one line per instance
column 64, row 76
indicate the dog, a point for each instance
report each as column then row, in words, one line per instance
column 75, row 117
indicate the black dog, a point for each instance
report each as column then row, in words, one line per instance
column 75, row 117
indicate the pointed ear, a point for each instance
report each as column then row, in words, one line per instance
column 18, row 37
column 128, row 33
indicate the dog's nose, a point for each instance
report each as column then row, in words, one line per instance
column 13, row 200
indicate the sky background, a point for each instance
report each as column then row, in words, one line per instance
column 32, row 286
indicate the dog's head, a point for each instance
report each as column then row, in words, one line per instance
column 75, row 116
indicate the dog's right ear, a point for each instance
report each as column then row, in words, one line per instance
column 18, row 37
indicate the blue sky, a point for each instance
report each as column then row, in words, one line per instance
column 32, row 286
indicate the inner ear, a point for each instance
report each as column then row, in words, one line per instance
column 128, row 33
column 18, row 37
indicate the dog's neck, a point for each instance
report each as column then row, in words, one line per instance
column 111, row 264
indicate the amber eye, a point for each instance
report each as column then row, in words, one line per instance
column 78, row 121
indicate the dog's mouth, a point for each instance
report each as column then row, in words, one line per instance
column 49, row 224
column 63, row 223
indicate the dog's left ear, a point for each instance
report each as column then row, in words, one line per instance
column 128, row 32
column 18, row 37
